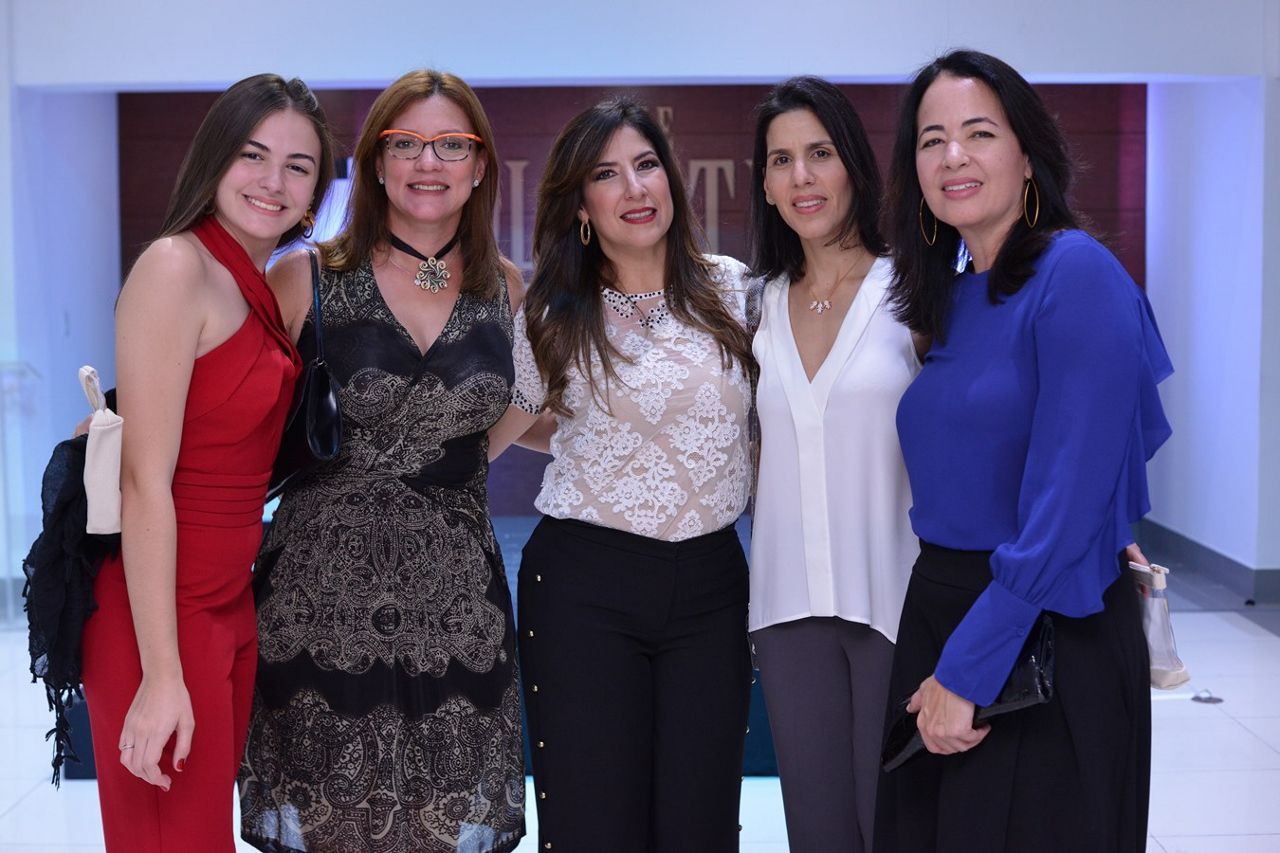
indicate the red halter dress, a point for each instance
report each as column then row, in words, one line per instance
column 239, row 396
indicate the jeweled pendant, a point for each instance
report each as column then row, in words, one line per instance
column 433, row 275
column 820, row 305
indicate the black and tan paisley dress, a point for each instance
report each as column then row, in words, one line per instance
column 386, row 715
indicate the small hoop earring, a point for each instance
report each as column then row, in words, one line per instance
column 1026, row 213
column 584, row 232
column 928, row 241
column 308, row 224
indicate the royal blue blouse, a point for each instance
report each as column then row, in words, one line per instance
column 1027, row 434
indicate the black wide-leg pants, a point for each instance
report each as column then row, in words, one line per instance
column 637, row 677
column 1071, row 775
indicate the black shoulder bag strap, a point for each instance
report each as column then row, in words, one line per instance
column 317, row 316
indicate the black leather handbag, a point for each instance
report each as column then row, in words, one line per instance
column 1029, row 683
column 313, row 430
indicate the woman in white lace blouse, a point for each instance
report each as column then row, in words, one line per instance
column 633, row 587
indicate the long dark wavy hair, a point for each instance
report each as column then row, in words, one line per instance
column 224, row 131
column 365, row 228
column 564, row 309
column 922, row 273
column 775, row 248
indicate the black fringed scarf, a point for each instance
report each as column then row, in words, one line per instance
column 60, row 570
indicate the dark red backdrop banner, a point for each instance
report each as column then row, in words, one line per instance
column 711, row 127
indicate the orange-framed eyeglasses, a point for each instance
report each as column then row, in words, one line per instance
column 407, row 145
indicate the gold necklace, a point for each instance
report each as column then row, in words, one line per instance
column 821, row 306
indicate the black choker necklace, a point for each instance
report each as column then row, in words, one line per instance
column 433, row 273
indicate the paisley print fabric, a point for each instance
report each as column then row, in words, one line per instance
column 668, row 457
column 386, row 715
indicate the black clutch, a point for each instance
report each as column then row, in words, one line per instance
column 1030, row 683
column 313, row 430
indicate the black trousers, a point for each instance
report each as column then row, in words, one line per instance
column 1070, row 775
column 637, row 678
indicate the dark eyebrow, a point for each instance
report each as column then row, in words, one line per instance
column 821, row 143
column 649, row 152
column 967, row 122
column 296, row 156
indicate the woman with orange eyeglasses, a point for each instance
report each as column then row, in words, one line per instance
column 386, row 716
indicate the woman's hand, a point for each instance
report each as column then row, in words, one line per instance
column 82, row 428
column 1134, row 555
column 944, row 719
column 161, row 707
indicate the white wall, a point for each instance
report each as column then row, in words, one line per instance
column 7, row 126
column 66, row 271
column 1269, row 386
column 1205, row 156
column 1213, row 271
column 125, row 44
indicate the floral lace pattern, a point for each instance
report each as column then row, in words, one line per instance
column 667, row 457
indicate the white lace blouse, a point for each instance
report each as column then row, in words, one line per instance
column 669, row 458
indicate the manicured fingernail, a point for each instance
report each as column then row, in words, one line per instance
column 181, row 764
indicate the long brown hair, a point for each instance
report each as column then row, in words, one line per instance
column 366, row 224
column 564, row 311
column 224, row 131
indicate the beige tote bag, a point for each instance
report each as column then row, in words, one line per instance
column 101, row 458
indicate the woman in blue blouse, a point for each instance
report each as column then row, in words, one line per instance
column 1026, row 436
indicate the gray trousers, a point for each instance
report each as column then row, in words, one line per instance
column 826, row 683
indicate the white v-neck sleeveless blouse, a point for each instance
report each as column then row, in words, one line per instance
column 831, row 536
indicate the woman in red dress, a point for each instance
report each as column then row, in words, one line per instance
column 205, row 372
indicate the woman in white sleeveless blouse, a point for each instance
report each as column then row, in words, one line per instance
column 633, row 588
column 831, row 547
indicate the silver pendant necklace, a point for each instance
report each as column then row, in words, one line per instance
column 433, row 272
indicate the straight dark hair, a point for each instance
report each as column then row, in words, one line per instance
column 224, row 131
column 922, row 273
column 564, row 308
column 365, row 228
column 775, row 248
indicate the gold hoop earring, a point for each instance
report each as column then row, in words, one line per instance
column 1026, row 192
column 928, row 241
column 308, row 224
column 584, row 232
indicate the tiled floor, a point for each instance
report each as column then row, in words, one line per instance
column 1215, row 773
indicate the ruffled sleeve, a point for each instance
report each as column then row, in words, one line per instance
column 1097, row 420
column 529, row 390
